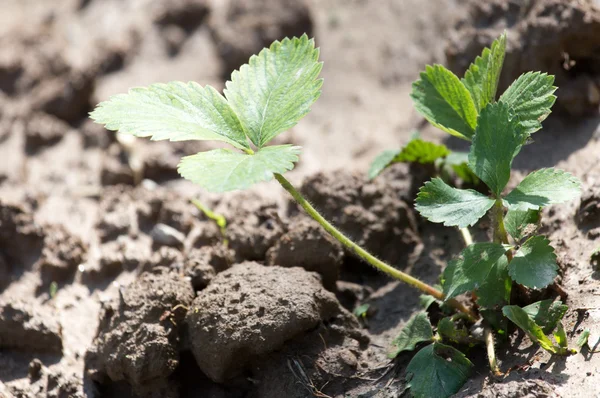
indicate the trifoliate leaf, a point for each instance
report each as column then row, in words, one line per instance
column 520, row 318
column 544, row 187
column 495, row 289
column 497, row 140
column 174, row 111
column 445, row 102
column 415, row 151
column 382, row 161
column 546, row 313
column 481, row 79
column 471, row 269
column 534, row 264
column 437, row 370
column 560, row 335
column 439, row 202
column 222, row 170
column 417, row 330
column 520, row 223
column 276, row 88
column 531, row 97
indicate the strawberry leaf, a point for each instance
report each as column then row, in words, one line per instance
column 471, row 269
column 445, row 102
column 520, row 318
column 438, row 202
column 276, row 88
column 174, row 111
column 496, row 287
column 519, row 223
column 382, row 162
column 222, row 170
column 481, row 79
column 534, row 264
column 542, row 188
column 437, row 370
column 531, row 96
column 415, row 151
column 546, row 313
column 497, row 140
column 417, row 330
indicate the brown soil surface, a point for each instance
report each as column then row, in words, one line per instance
column 112, row 284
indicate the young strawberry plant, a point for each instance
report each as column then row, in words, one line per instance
column 277, row 87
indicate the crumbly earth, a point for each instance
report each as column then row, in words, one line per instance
column 111, row 280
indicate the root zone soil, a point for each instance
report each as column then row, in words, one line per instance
column 115, row 289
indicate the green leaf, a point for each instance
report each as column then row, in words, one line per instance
column 417, row 330
column 481, row 79
column 445, row 102
column 361, row 311
column 381, row 162
column 546, row 313
column 451, row 332
column 520, row 223
column 544, row 187
column 534, row 264
column 531, row 97
column 425, row 300
column 471, row 269
column 439, row 202
column 519, row 317
column 174, row 111
column 583, row 339
column 458, row 163
column 437, row 370
column 497, row 140
column 495, row 289
column 560, row 336
column 222, row 170
column 276, row 88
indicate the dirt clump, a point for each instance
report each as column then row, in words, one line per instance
column 252, row 310
column 138, row 336
column 307, row 245
column 21, row 238
column 61, row 255
column 43, row 130
column 589, row 207
column 242, row 28
column 27, row 327
column 554, row 36
column 371, row 213
column 203, row 264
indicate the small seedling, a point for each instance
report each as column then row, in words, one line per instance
column 271, row 93
column 219, row 219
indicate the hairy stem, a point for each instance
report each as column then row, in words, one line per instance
column 491, row 352
column 500, row 234
column 466, row 235
column 365, row 255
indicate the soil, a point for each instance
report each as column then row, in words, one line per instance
column 112, row 284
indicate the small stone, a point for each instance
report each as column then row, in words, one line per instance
column 164, row 235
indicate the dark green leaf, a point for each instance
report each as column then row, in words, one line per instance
column 222, row 170
column 520, row 223
column 531, row 97
column 471, row 269
column 417, row 330
column 415, row 151
column 481, row 79
column 276, row 88
column 439, row 202
column 534, row 264
column 497, row 140
column 437, row 370
column 519, row 317
column 425, row 300
column 546, row 313
column 495, row 289
column 544, row 187
column 445, row 102
column 451, row 332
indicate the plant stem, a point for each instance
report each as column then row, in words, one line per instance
column 489, row 344
column 466, row 235
column 500, row 234
column 365, row 255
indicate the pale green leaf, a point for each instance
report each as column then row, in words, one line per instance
column 381, row 162
column 497, row 140
column 425, row 300
column 496, row 287
column 458, row 162
column 546, row 313
column 440, row 203
column 445, row 102
column 544, row 187
column 471, row 269
column 481, row 79
column 560, row 335
column 417, row 330
column 583, row 339
column 534, row 264
column 437, row 370
column 531, row 97
column 520, row 318
column 520, row 223
column 276, row 88
column 173, row 111
column 222, row 170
